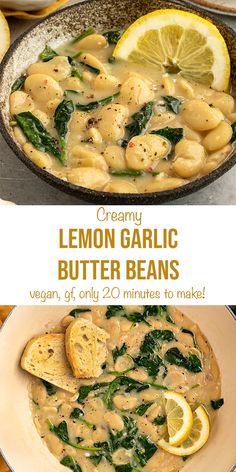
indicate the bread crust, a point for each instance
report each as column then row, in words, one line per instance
column 44, row 356
column 85, row 348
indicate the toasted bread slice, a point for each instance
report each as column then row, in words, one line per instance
column 86, row 348
column 45, row 357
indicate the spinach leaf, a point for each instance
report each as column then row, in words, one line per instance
column 68, row 92
column 145, row 450
column 155, row 310
column 61, row 118
column 126, row 173
column 124, row 468
column 118, row 310
column 105, row 451
column 151, row 363
column 172, row 103
column 119, row 352
column 141, row 409
column 78, row 311
column 61, row 431
column 233, row 139
column 18, row 84
column 68, row 461
column 216, row 404
column 124, row 438
column 98, row 103
column 47, row 54
column 37, row 134
column 76, row 72
column 77, row 414
column 129, row 384
column 159, row 420
column 152, row 340
column 187, row 331
column 114, row 310
column 84, row 34
column 174, row 135
column 191, row 363
column 140, row 120
column 94, row 70
column 95, row 458
column 51, row 389
column 112, row 37
column 149, row 348
column 85, row 390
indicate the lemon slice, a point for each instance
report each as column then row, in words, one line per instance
column 4, row 36
column 197, row 438
column 179, row 418
column 178, row 42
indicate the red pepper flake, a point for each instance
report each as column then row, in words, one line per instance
column 131, row 145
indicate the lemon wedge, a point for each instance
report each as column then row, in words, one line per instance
column 179, row 418
column 4, row 36
column 178, row 42
column 196, row 439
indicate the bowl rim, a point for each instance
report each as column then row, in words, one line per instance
column 11, row 313
column 99, row 196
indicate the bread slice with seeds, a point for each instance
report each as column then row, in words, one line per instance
column 86, row 348
column 45, row 357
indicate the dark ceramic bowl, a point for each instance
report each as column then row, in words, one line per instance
column 61, row 26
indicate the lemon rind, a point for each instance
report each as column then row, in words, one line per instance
column 170, row 17
column 181, row 451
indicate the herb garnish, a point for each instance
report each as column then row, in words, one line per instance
column 77, row 414
column 51, row 389
column 119, row 352
column 83, row 35
column 140, row 120
column 216, row 404
column 18, row 84
column 112, row 37
column 159, row 420
column 61, row 119
column 68, row 461
column 77, row 311
column 174, row 135
column 98, row 103
column 61, row 431
column 191, row 363
column 172, row 103
column 233, row 139
column 141, row 409
column 37, row 134
column 47, row 54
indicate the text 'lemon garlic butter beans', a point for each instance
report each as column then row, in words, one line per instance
column 189, row 158
column 143, row 152
column 200, row 116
